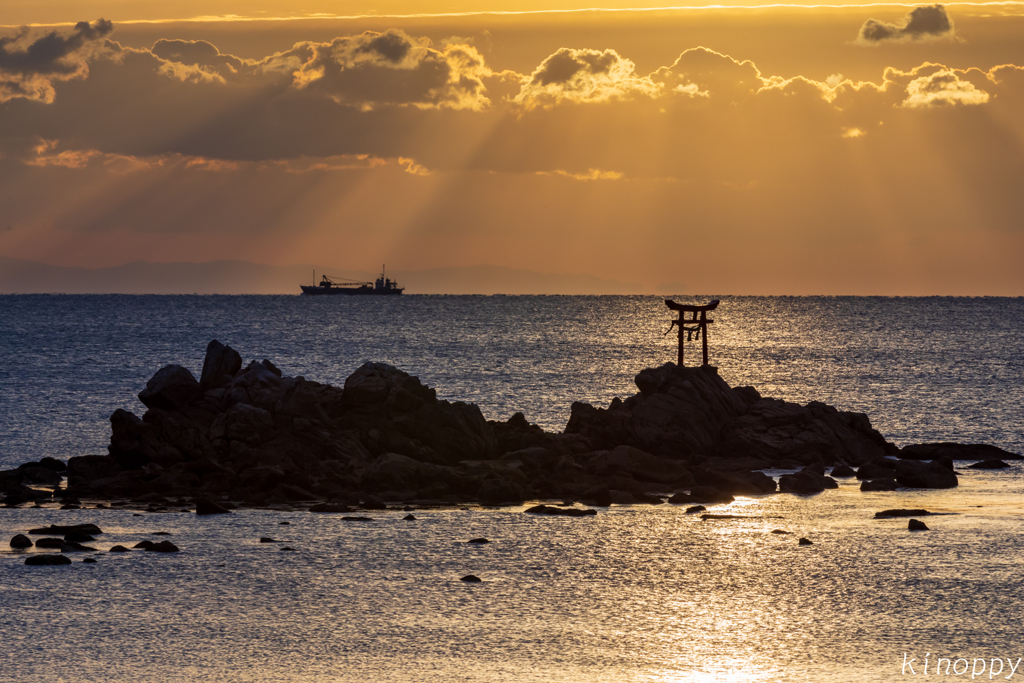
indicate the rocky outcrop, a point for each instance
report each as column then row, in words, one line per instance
column 251, row 433
column 689, row 414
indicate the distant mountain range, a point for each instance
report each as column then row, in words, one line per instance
column 242, row 277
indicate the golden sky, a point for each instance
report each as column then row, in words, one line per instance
column 841, row 149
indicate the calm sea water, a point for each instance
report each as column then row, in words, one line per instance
column 637, row 593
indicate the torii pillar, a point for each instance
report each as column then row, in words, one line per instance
column 699, row 320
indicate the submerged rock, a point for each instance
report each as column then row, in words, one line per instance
column 956, row 451
column 995, row 464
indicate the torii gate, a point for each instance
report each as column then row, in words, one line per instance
column 700, row 324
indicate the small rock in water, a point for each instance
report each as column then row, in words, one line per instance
column 567, row 512
column 161, row 533
column 49, row 542
column 288, row 549
column 162, row 547
column 21, row 541
column 119, row 549
column 780, row 531
column 410, row 518
column 989, row 465
column 843, row 471
column 284, row 523
column 901, row 513
column 805, row 541
column 478, row 540
column 695, row 508
column 89, row 560
column 46, row 560
column 145, row 545
column 916, row 525
column 469, row 578
column 329, row 507
column 267, row 539
column 78, row 537
column 357, row 519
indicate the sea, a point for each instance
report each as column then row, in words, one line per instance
column 635, row 593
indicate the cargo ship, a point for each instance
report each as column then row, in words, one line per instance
column 382, row 286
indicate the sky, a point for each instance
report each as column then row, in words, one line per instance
column 743, row 149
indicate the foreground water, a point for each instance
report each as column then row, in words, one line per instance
column 637, row 593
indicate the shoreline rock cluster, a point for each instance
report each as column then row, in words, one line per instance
column 252, row 435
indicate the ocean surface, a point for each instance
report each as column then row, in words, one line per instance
column 637, row 593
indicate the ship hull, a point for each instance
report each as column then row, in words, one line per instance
column 349, row 291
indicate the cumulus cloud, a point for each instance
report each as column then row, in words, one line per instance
column 929, row 21
column 390, row 68
column 700, row 72
column 584, row 76
column 942, row 88
column 29, row 64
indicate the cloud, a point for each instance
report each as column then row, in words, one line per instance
column 926, row 22
column 201, row 54
column 571, row 75
column 591, row 174
column 942, row 88
column 391, row 68
column 29, row 65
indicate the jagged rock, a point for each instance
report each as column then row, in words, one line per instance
column 641, row 465
column 956, row 451
column 48, row 559
column 916, row 525
column 690, row 413
column 221, row 364
column 885, row 484
column 989, row 465
column 172, row 387
column 86, row 470
column 21, row 541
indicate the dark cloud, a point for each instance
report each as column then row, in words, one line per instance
column 584, row 76
column 929, row 21
column 49, row 53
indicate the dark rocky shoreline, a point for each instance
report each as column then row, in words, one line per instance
column 253, row 436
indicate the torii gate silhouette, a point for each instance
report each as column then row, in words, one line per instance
column 700, row 324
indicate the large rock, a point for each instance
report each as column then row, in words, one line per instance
column 84, row 470
column 47, row 559
column 924, row 475
column 172, row 387
column 691, row 413
column 221, row 364
column 641, row 465
column 11, row 479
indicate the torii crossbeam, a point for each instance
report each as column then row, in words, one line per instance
column 701, row 324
